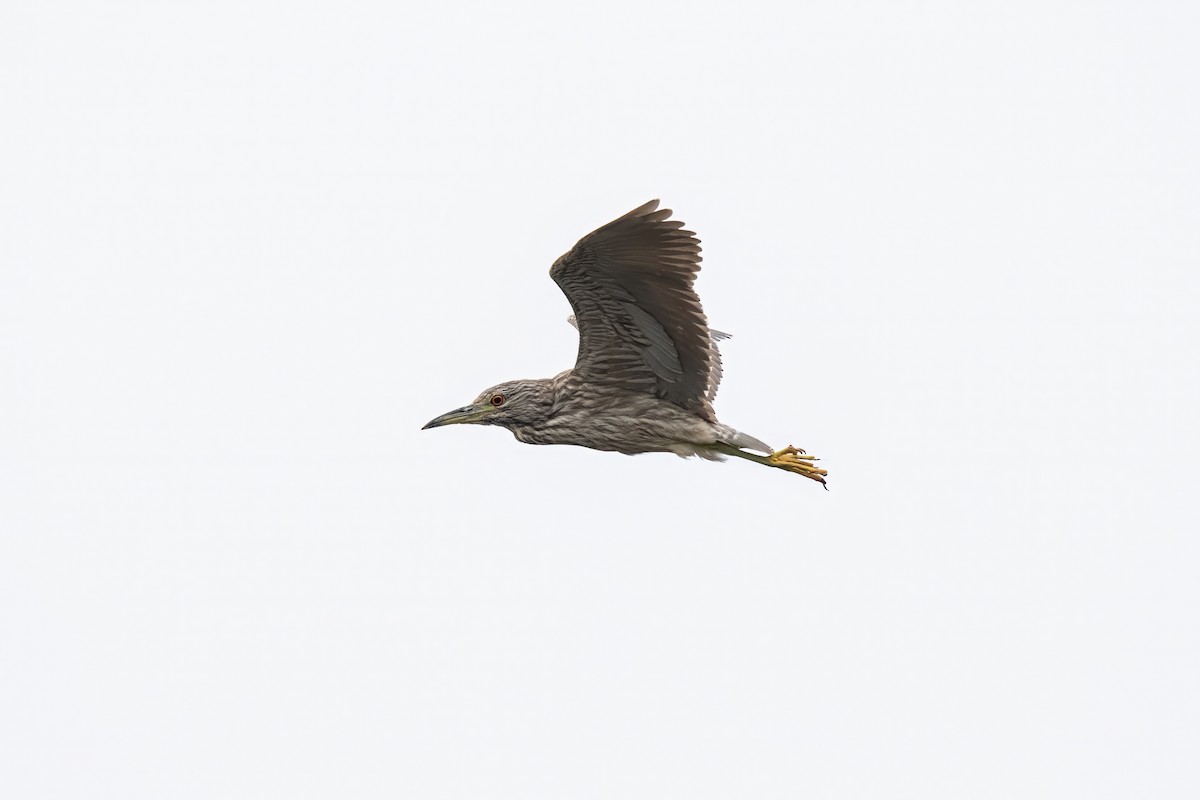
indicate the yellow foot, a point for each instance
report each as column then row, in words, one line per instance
column 794, row 460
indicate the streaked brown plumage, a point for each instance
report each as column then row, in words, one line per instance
column 648, row 367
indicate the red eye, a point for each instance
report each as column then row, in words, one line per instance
column 497, row 400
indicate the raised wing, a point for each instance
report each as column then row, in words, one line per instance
column 715, row 370
column 640, row 323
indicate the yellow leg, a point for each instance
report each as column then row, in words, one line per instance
column 793, row 459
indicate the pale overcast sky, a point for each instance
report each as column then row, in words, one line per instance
column 248, row 249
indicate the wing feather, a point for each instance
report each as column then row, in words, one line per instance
column 641, row 325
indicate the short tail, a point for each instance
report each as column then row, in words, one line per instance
column 739, row 439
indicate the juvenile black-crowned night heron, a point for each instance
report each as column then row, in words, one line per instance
column 648, row 365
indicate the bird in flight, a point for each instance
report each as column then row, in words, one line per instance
column 648, row 365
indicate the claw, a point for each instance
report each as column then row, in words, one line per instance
column 793, row 459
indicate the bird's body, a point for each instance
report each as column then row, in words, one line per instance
column 613, row 420
column 648, row 366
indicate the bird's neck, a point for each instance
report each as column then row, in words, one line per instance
column 544, row 401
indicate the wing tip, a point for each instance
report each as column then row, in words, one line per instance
column 647, row 208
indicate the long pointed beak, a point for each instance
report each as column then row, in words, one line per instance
column 459, row 416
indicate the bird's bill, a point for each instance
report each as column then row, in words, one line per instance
column 466, row 415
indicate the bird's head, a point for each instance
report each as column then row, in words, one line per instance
column 510, row 405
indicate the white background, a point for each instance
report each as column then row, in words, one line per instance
column 247, row 250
